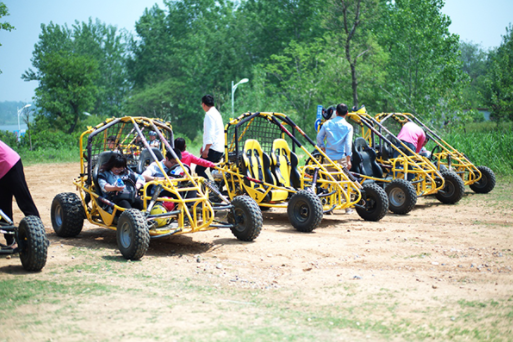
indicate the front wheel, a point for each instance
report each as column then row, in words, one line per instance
column 486, row 183
column 305, row 211
column 67, row 214
column 376, row 203
column 246, row 218
column 453, row 190
column 32, row 243
column 402, row 196
column 132, row 234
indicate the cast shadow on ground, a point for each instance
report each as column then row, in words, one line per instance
column 16, row 268
column 105, row 239
column 431, row 201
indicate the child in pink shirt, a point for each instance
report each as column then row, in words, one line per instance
column 189, row 158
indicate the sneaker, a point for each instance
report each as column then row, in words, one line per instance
column 349, row 211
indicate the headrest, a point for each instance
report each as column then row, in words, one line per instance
column 360, row 144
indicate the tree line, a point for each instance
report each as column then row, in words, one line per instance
column 388, row 55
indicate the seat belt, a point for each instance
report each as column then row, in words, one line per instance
column 281, row 179
column 260, row 173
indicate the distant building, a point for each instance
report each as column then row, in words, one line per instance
column 486, row 113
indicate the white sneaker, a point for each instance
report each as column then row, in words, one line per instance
column 349, row 211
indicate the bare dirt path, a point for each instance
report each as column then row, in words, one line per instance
column 440, row 272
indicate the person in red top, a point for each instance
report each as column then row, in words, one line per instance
column 412, row 136
column 13, row 183
column 189, row 158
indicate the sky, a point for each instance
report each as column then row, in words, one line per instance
column 482, row 22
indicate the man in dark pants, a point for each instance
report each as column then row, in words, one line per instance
column 213, row 135
column 13, row 183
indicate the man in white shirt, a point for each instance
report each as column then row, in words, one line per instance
column 213, row 134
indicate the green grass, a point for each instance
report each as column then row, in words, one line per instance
column 492, row 148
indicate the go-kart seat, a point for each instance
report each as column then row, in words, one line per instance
column 364, row 159
column 388, row 151
column 257, row 165
column 146, row 159
column 284, row 164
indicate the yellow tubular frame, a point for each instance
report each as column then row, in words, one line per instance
column 345, row 193
column 423, row 173
column 460, row 164
column 97, row 216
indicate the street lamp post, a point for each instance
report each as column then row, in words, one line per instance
column 19, row 113
column 234, row 87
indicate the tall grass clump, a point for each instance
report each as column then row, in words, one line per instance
column 492, row 148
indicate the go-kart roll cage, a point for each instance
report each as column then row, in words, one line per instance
column 337, row 181
column 168, row 184
column 414, row 168
column 444, row 153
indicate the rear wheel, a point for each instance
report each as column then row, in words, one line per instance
column 376, row 203
column 67, row 214
column 32, row 243
column 305, row 211
column 402, row 196
column 132, row 234
column 454, row 188
column 486, row 183
column 246, row 218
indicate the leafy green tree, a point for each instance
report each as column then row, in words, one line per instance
column 499, row 80
column 300, row 74
column 270, row 25
column 97, row 42
column 351, row 34
column 474, row 60
column 4, row 26
column 424, row 72
column 67, row 88
column 181, row 53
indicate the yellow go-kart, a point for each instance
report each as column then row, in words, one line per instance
column 481, row 179
column 261, row 162
column 174, row 205
column 381, row 158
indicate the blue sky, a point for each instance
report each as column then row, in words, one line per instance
column 479, row 21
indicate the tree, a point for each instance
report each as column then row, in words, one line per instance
column 299, row 71
column 424, row 71
column 351, row 35
column 66, row 88
column 4, row 26
column 499, row 79
column 190, row 49
column 96, row 42
column 474, row 65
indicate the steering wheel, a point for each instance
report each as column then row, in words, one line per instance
column 436, row 149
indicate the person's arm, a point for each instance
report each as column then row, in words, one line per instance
column 204, row 153
column 139, row 180
column 320, row 138
column 106, row 187
column 421, row 141
column 208, row 134
column 149, row 173
column 200, row 161
column 347, row 146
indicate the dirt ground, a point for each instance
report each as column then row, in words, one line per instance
column 441, row 272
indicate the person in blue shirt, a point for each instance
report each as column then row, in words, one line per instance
column 338, row 134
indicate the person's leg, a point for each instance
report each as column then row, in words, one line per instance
column 6, row 204
column 214, row 157
column 123, row 204
column 21, row 191
column 138, row 204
